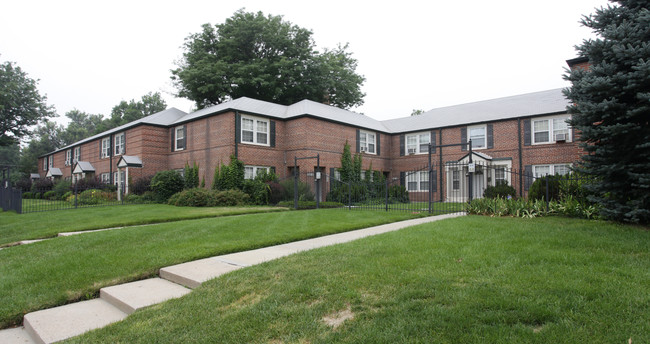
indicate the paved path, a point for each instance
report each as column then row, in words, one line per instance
column 117, row 302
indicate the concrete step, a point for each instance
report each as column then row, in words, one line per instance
column 55, row 324
column 15, row 336
column 130, row 297
column 192, row 274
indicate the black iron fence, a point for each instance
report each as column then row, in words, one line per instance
column 65, row 195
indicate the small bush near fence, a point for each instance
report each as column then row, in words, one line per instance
column 198, row 197
column 502, row 190
column 166, row 183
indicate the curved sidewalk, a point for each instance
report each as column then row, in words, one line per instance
column 117, row 302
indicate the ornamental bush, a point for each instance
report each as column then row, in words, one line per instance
column 230, row 198
column 166, row 183
column 195, row 197
column 501, row 190
column 537, row 190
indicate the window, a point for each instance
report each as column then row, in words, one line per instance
column 50, row 161
column 250, row 172
column 179, row 134
column 254, row 130
column 77, row 154
column 68, row 157
column 119, row 177
column 367, row 142
column 478, row 136
column 45, row 164
column 455, row 179
column 500, row 175
column 119, row 144
column 106, row 147
column 105, row 178
column 542, row 170
column 418, row 181
column 549, row 130
column 418, row 143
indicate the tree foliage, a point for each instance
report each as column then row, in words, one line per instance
column 266, row 58
column 45, row 139
column 124, row 112
column 611, row 108
column 21, row 105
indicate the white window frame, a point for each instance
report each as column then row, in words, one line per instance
column 50, row 161
column 418, row 140
column 179, row 138
column 45, row 160
column 119, row 144
column 76, row 154
column 119, row 176
column 254, row 170
column 455, row 179
column 105, row 178
column 257, row 123
column 469, row 136
column 365, row 144
column 551, row 123
column 106, row 147
column 68, row 157
column 551, row 169
column 419, row 178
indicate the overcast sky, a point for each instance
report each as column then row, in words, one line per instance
column 90, row 55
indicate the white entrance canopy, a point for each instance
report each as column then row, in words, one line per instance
column 54, row 172
column 83, row 167
column 129, row 161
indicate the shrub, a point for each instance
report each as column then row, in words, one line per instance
column 61, row 188
column 24, row 184
column 257, row 190
column 230, row 198
column 141, row 185
column 149, row 196
column 191, row 176
column 398, row 193
column 66, row 195
column 195, row 197
column 304, row 190
column 166, row 183
column 93, row 196
column 501, row 190
column 227, row 177
column 28, row 195
column 276, row 192
column 537, row 191
column 50, row 195
column 42, row 185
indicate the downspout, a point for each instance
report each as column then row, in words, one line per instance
column 440, row 165
column 237, row 133
column 521, row 176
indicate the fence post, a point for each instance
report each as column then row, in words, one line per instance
column 350, row 196
column 386, row 194
column 546, row 198
column 295, row 183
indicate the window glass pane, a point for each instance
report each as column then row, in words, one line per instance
column 477, row 135
column 248, row 172
column 261, row 126
column 411, row 143
column 562, row 169
column 424, row 139
column 560, row 126
column 247, row 136
column 500, row 174
column 540, row 125
column 541, row 171
column 541, row 137
column 371, row 148
column 456, row 180
column 246, row 124
column 261, row 138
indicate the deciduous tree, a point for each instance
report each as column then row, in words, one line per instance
column 266, row 58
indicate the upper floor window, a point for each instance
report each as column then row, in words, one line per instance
column 250, row 172
column 45, row 164
column 367, row 142
column 478, row 136
column 77, row 154
column 106, row 147
column 254, row 130
column 418, row 143
column 551, row 129
column 68, row 157
column 119, row 144
column 50, row 161
column 179, row 141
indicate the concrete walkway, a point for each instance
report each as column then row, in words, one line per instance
column 117, row 302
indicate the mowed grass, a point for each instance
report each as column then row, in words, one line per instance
column 465, row 280
column 16, row 227
column 66, row 269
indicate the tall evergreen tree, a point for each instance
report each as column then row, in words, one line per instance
column 611, row 108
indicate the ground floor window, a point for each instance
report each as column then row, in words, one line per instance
column 543, row 170
column 250, row 172
column 105, row 178
column 417, row 181
column 455, row 179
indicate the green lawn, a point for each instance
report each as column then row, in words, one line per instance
column 65, row 269
column 16, row 227
column 465, row 280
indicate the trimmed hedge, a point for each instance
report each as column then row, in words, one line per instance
column 310, row 204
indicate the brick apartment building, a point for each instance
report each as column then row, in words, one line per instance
column 526, row 133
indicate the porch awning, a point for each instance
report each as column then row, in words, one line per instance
column 54, row 172
column 83, row 167
column 129, row 161
column 476, row 157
